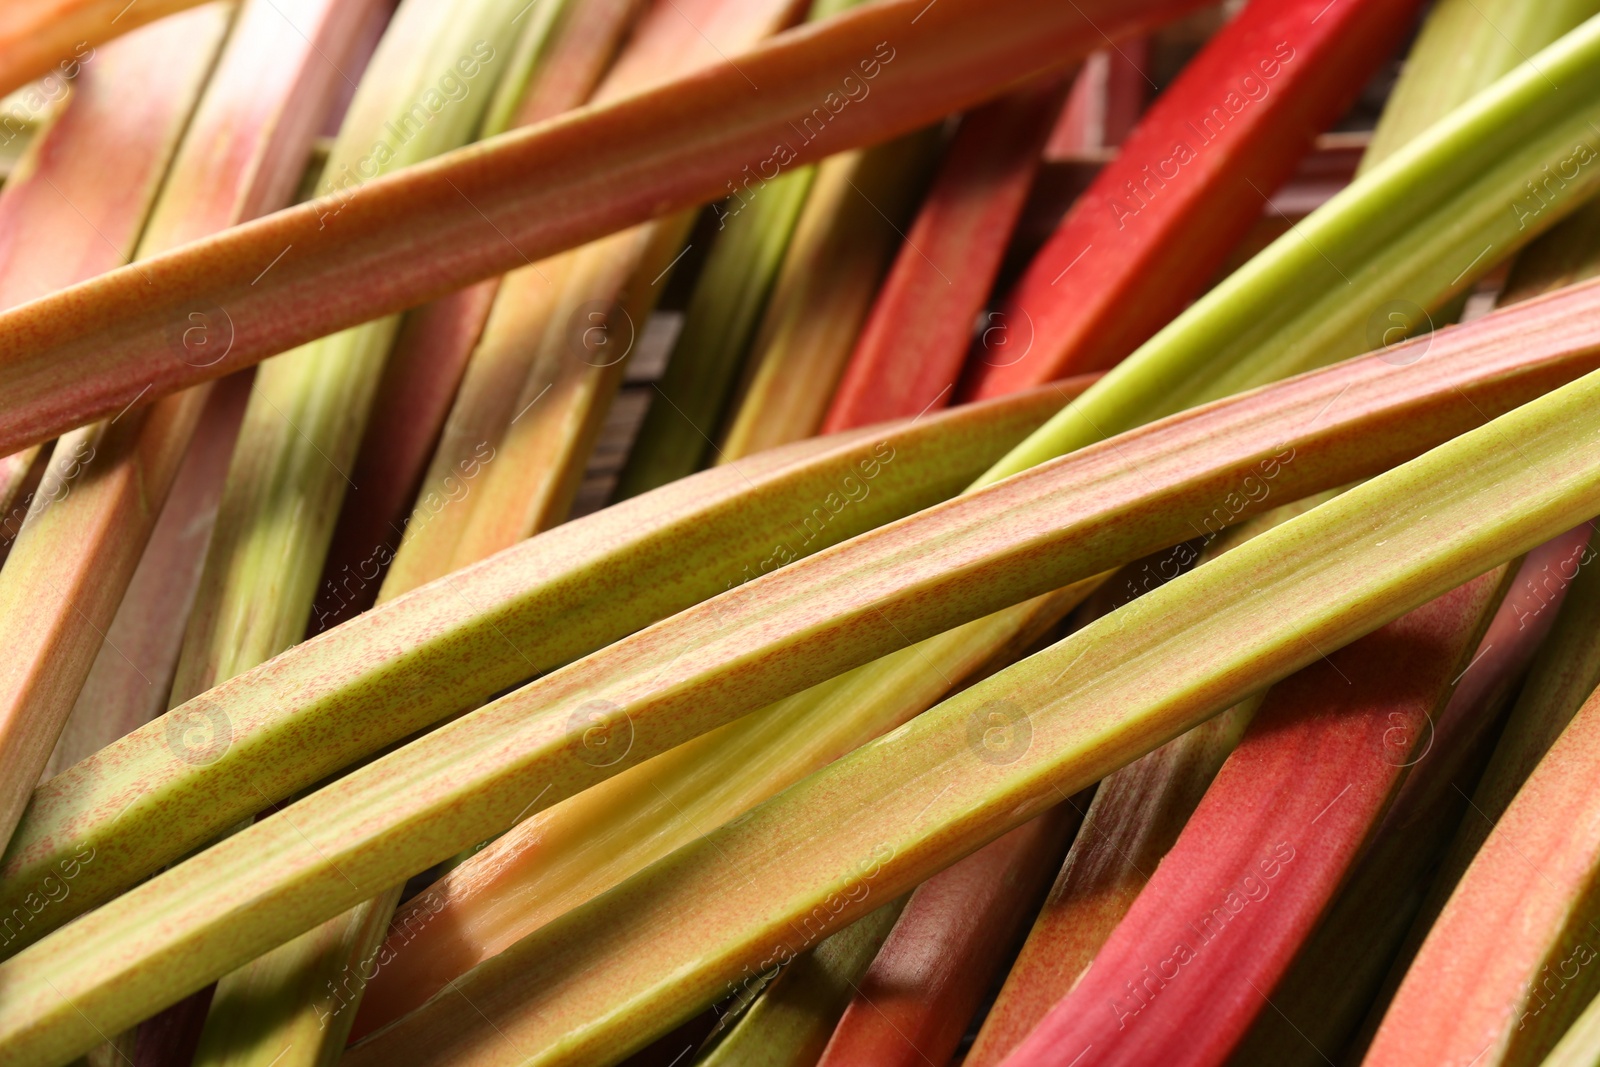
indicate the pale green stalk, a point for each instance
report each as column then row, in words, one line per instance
column 1409, row 235
column 1580, row 1046
column 1463, row 47
column 540, row 25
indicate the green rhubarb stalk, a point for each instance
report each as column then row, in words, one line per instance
column 607, row 978
column 1579, row 1046
column 1463, row 47
column 424, row 370
column 816, row 618
column 753, row 234
column 719, row 324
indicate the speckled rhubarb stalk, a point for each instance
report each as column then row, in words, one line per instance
column 910, row 352
column 783, row 632
column 1185, row 971
column 446, row 648
column 555, row 346
column 915, row 1002
column 1195, row 174
column 406, row 238
column 108, row 152
column 607, row 978
column 547, row 866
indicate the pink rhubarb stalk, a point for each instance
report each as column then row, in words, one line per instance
column 1339, row 969
column 1509, row 963
column 109, row 151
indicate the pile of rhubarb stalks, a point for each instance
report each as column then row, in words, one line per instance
column 791, row 532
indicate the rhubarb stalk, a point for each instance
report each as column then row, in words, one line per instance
column 910, row 352
column 556, row 343
column 847, row 235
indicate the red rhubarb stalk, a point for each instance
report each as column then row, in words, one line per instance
column 1186, row 971
column 1332, row 982
column 1196, row 172
column 910, row 353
